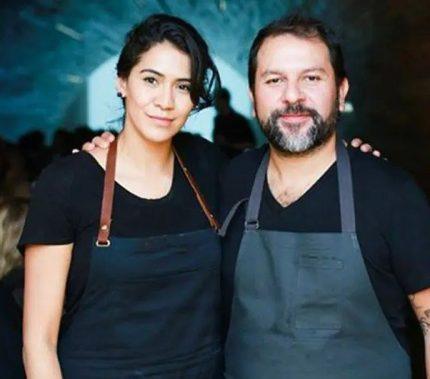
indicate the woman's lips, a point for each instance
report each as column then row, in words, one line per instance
column 165, row 121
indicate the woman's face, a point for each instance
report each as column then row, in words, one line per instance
column 157, row 93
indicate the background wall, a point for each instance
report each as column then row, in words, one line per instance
column 50, row 48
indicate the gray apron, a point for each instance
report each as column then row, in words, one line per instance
column 303, row 304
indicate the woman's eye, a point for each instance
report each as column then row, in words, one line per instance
column 150, row 80
column 184, row 87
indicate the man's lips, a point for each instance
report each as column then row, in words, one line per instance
column 295, row 118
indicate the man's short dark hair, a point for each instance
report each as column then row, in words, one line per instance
column 303, row 27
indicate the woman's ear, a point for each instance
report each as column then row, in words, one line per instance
column 121, row 87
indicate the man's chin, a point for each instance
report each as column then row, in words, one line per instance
column 294, row 127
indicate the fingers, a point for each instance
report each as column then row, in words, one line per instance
column 100, row 142
column 366, row 148
column 356, row 142
column 108, row 136
column 88, row 146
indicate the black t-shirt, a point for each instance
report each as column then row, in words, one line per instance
column 66, row 202
column 392, row 217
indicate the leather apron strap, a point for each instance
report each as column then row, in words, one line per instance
column 346, row 194
column 108, row 192
column 107, row 201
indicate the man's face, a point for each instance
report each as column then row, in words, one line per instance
column 296, row 98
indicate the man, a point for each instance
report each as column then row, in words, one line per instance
column 323, row 246
column 232, row 132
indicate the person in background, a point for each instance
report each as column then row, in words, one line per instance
column 12, row 216
column 232, row 132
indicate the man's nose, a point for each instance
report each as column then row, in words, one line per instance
column 292, row 93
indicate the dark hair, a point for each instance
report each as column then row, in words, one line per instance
column 158, row 28
column 300, row 26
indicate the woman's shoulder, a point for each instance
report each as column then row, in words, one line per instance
column 62, row 172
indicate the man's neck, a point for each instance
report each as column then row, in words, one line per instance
column 290, row 176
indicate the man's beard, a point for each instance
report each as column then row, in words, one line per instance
column 289, row 137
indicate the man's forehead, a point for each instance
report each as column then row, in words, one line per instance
column 288, row 52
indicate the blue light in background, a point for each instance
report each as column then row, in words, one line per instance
column 105, row 108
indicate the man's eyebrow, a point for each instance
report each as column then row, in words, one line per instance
column 313, row 69
column 277, row 72
column 271, row 72
column 162, row 75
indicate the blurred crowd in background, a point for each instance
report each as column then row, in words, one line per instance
column 20, row 165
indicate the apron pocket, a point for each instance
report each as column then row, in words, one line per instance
column 316, row 310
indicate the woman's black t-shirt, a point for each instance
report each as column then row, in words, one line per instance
column 66, row 202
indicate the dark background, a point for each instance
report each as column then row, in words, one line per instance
column 386, row 43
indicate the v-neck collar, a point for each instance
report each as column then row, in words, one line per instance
column 274, row 205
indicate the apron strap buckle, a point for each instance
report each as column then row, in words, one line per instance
column 252, row 225
column 103, row 243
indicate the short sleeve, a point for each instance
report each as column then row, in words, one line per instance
column 409, row 238
column 49, row 217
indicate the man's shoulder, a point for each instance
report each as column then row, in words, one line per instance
column 380, row 179
column 245, row 164
column 199, row 153
column 238, row 175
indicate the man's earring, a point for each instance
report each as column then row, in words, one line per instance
column 119, row 94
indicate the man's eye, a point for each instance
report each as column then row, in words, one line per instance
column 273, row 81
column 312, row 78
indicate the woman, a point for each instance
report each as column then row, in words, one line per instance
column 125, row 239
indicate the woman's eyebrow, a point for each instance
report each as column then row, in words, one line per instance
column 151, row 70
column 162, row 75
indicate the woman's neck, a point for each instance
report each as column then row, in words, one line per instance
column 143, row 155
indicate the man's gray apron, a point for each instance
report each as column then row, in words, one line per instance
column 303, row 304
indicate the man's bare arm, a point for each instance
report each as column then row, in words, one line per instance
column 421, row 304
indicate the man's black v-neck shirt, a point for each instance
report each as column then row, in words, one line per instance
column 392, row 218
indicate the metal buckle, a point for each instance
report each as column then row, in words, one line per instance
column 252, row 225
column 103, row 244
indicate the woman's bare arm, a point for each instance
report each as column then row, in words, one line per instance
column 46, row 270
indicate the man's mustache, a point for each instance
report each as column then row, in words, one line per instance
column 294, row 109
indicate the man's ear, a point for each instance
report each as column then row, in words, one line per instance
column 342, row 93
column 251, row 97
column 121, row 87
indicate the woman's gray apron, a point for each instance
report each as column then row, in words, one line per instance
column 151, row 306
column 303, row 304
